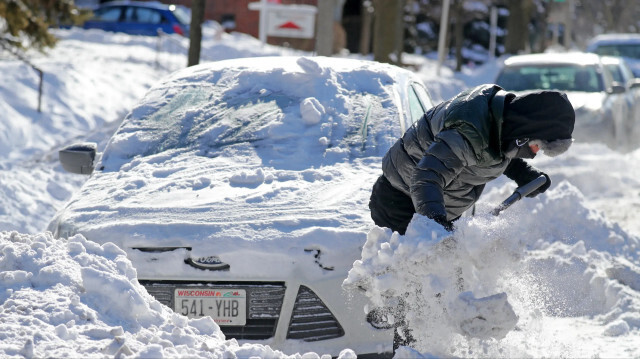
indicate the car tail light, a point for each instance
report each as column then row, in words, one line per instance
column 178, row 30
column 311, row 320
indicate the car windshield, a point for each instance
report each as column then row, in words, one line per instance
column 273, row 125
column 622, row 50
column 550, row 77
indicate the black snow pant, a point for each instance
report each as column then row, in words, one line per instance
column 390, row 207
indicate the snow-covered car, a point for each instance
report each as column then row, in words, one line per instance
column 239, row 190
column 620, row 45
column 602, row 111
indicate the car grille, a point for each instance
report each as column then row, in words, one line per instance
column 311, row 320
column 264, row 301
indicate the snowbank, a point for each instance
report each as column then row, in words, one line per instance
column 493, row 285
column 79, row 299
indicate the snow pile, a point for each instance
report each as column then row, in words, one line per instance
column 76, row 298
column 90, row 81
column 489, row 287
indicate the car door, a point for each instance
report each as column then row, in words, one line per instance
column 621, row 78
column 106, row 18
column 149, row 21
column 633, row 90
column 139, row 20
column 616, row 102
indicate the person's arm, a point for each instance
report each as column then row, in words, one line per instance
column 442, row 162
column 522, row 173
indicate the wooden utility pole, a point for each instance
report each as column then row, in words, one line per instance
column 442, row 39
column 195, row 31
column 518, row 25
column 324, row 33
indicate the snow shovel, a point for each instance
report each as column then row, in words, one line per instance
column 520, row 192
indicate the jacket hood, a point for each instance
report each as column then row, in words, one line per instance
column 542, row 115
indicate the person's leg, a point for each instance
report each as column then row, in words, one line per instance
column 390, row 207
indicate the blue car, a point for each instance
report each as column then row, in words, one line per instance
column 140, row 18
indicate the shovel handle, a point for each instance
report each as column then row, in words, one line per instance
column 520, row 192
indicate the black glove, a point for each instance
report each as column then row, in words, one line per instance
column 442, row 220
column 542, row 188
column 520, row 171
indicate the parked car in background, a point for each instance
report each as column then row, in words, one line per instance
column 603, row 113
column 622, row 74
column 140, row 18
column 621, row 45
column 239, row 190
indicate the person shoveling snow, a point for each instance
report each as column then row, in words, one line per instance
column 440, row 166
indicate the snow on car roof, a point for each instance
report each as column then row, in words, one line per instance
column 614, row 39
column 576, row 58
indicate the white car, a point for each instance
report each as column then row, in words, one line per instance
column 602, row 112
column 239, row 190
column 623, row 75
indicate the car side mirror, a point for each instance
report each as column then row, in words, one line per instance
column 634, row 83
column 617, row 88
column 78, row 158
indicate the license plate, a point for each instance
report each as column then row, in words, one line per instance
column 227, row 307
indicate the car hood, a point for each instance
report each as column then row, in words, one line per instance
column 586, row 100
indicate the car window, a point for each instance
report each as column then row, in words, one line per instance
column 627, row 74
column 616, row 72
column 419, row 101
column 148, row 16
column 551, row 77
column 142, row 15
column 415, row 107
column 108, row 14
column 623, row 50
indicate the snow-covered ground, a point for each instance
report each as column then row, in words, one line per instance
column 553, row 276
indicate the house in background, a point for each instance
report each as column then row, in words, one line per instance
column 235, row 15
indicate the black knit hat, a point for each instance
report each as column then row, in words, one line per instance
column 542, row 115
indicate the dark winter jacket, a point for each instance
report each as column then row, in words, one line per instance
column 444, row 160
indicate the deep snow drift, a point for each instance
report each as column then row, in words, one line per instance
column 503, row 286
column 78, row 299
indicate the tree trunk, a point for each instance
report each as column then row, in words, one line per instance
column 385, row 30
column 195, row 31
column 458, row 32
column 517, row 25
column 365, row 31
column 324, row 33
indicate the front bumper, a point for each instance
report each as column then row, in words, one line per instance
column 293, row 318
